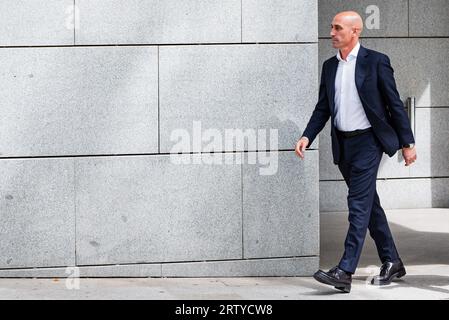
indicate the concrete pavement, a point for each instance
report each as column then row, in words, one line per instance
column 422, row 238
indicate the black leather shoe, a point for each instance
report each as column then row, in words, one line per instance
column 336, row 277
column 388, row 272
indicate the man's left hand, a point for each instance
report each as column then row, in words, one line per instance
column 409, row 155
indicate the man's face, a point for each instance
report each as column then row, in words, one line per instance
column 342, row 33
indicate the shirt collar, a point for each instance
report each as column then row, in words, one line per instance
column 352, row 55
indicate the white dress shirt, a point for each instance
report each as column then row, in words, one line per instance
column 350, row 114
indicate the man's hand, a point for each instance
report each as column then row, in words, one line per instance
column 409, row 155
column 301, row 146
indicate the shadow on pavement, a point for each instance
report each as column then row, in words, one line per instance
column 415, row 247
column 418, row 250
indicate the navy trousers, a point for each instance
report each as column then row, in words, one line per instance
column 359, row 163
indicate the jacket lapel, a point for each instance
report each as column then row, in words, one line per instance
column 361, row 68
column 333, row 66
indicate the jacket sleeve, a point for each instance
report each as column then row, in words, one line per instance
column 387, row 86
column 321, row 113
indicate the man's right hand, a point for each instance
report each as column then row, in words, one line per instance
column 301, row 146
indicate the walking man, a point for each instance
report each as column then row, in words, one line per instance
column 358, row 93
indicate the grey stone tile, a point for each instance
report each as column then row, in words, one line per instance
column 297, row 266
column 89, row 100
column 34, row 273
column 286, row 267
column 333, row 196
column 429, row 18
column 413, row 193
column 392, row 22
column 130, row 271
column 151, row 209
column 279, row 21
column 243, row 87
column 158, row 21
column 37, row 213
column 418, row 68
column 280, row 211
column 432, row 143
column 325, row 51
column 440, row 192
column 393, row 194
column 31, row 23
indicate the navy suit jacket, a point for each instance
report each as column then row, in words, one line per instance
column 374, row 78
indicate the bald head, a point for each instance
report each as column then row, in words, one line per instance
column 347, row 27
column 351, row 19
